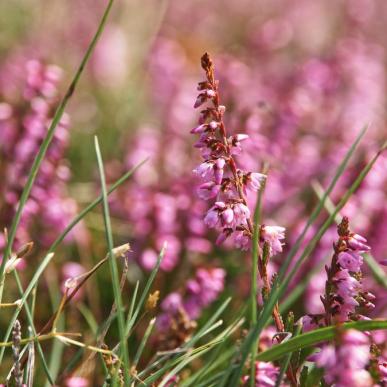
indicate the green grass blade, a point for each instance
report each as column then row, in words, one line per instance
column 133, row 301
column 286, row 361
column 46, row 142
column 24, row 297
column 254, row 273
column 33, row 329
column 317, row 336
column 143, row 342
column 113, row 267
column 130, row 323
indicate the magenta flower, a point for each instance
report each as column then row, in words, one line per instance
column 350, row 260
column 345, row 361
column 199, row 292
column 273, row 235
column 265, row 375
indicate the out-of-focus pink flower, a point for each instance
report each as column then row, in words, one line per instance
column 199, row 293
column 345, row 362
column 77, row 381
column 273, row 235
column 265, row 375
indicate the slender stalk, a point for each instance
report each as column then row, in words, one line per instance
column 254, row 275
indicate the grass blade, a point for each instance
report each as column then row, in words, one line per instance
column 25, row 295
column 143, row 342
column 113, row 266
column 317, row 336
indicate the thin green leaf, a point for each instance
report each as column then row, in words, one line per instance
column 286, row 361
column 130, row 323
column 25, row 295
column 254, row 272
column 317, row 336
column 113, row 266
column 144, row 340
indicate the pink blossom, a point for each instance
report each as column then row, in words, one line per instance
column 350, row 260
column 273, row 235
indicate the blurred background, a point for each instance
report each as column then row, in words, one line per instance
column 300, row 77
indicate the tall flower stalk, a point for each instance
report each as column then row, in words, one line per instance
column 227, row 184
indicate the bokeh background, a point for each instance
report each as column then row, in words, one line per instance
column 300, row 77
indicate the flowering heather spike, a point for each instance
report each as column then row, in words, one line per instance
column 344, row 297
column 343, row 291
column 224, row 181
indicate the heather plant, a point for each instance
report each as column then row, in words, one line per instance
column 198, row 256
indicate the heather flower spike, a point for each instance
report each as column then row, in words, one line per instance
column 223, row 181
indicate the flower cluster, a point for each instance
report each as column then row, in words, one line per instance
column 199, row 293
column 344, row 298
column 23, row 126
column 224, row 182
column 344, row 295
column 345, row 360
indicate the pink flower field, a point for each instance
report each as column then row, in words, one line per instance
column 193, row 193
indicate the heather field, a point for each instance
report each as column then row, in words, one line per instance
column 193, row 193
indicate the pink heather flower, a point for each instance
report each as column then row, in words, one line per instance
column 310, row 322
column 212, row 218
column 77, row 381
column 148, row 259
column 350, row 260
column 345, row 362
column 172, row 303
column 211, row 167
column 71, row 270
column 273, row 235
column 199, row 293
column 242, row 241
column 241, row 214
column 382, row 368
column 255, row 180
column 208, row 190
column 227, row 216
column 358, row 243
column 265, row 375
column 235, row 143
